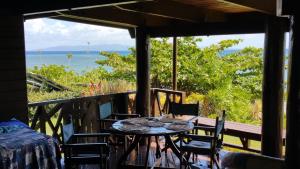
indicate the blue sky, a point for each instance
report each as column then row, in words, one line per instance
column 45, row 33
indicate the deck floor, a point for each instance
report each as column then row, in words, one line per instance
column 137, row 159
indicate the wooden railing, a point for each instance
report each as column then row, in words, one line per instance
column 48, row 115
column 160, row 99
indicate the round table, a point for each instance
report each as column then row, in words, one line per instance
column 153, row 131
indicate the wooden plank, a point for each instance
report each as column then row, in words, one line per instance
column 169, row 9
column 266, row 6
column 143, row 72
column 293, row 101
column 117, row 16
column 236, row 129
column 31, row 7
column 272, row 99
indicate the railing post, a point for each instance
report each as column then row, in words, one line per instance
column 41, row 111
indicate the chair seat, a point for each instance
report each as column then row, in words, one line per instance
column 200, row 147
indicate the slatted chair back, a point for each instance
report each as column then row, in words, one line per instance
column 83, row 148
column 219, row 131
column 184, row 109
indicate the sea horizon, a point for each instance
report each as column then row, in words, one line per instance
column 80, row 62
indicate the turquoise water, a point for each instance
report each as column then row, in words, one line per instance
column 80, row 61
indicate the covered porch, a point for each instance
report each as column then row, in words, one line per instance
column 147, row 19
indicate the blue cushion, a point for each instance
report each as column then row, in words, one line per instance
column 105, row 110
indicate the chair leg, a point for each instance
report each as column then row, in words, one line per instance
column 211, row 161
column 217, row 162
column 158, row 154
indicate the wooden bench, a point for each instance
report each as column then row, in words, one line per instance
column 245, row 132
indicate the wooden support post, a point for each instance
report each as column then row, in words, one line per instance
column 13, row 92
column 143, row 72
column 273, row 88
column 293, row 101
column 174, row 63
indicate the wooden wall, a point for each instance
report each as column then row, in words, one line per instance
column 13, row 94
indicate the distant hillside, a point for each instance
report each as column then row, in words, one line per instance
column 105, row 47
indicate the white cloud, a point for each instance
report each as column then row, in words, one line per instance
column 43, row 33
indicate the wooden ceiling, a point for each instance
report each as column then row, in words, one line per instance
column 161, row 13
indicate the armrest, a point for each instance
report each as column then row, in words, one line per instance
column 125, row 115
column 79, row 135
column 108, row 120
column 206, row 128
column 83, row 145
column 199, row 137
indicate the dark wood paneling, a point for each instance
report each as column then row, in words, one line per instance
column 293, row 101
column 13, row 93
column 273, row 88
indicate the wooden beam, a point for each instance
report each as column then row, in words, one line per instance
column 93, row 21
column 32, row 7
column 142, row 72
column 265, row 6
column 13, row 100
column 293, row 102
column 220, row 28
column 120, row 17
column 168, row 9
column 272, row 99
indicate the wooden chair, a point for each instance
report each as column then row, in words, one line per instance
column 178, row 109
column 184, row 109
column 107, row 118
column 203, row 144
column 191, row 109
column 79, row 152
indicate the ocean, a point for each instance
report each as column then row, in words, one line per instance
column 81, row 60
